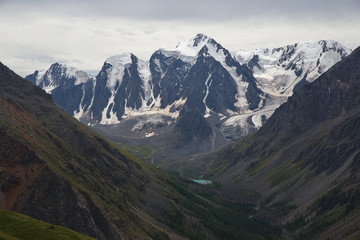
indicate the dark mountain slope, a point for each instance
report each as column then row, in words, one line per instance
column 55, row 169
column 304, row 160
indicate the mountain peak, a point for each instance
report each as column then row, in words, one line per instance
column 329, row 41
column 198, row 42
column 200, row 38
column 121, row 59
column 56, row 75
column 69, row 71
column 335, row 46
column 58, row 65
column 188, row 50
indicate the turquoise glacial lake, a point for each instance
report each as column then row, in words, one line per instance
column 201, row 181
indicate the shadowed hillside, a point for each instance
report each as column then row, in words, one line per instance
column 303, row 163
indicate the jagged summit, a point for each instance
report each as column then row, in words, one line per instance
column 71, row 89
column 333, row 45
column 58, row 74
column 198, row 42
column 244, row 56
column 120, row 59
column 188, row 50
column 281, row 70
column 116, row 70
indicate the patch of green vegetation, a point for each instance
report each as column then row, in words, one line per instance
column 283, row 207
column 217, row 185
column 159, row 236
column 18, row 226
column 256, row 167
column 355, row 235
column 336, row 205
column 4, row 236
column 283, row 173
column 331, row 199
column 298, row 222
column 190, row 172
column 252, row 141
column 214, row 173
column 321, row 224
column 139, row 151
column 173, row 173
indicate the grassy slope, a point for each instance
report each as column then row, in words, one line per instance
column 17, row 226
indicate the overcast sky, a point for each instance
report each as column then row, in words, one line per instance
column 34, row 34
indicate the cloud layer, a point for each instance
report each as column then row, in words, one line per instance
column 84, row 33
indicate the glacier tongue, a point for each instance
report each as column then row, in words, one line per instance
column 145, row 75
column 116, row 71
column 108, row 115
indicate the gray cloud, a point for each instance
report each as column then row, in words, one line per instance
column 189, row 9
column 84, row 33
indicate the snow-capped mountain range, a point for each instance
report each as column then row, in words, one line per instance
column 279, row 72
column 240, row 90
column 71, row 89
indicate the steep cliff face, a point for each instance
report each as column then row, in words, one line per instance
column 19, row 166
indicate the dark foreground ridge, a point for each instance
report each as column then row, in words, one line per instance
column 55, row 169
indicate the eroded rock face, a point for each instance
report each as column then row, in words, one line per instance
column 18, row 166
column 52, row 199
